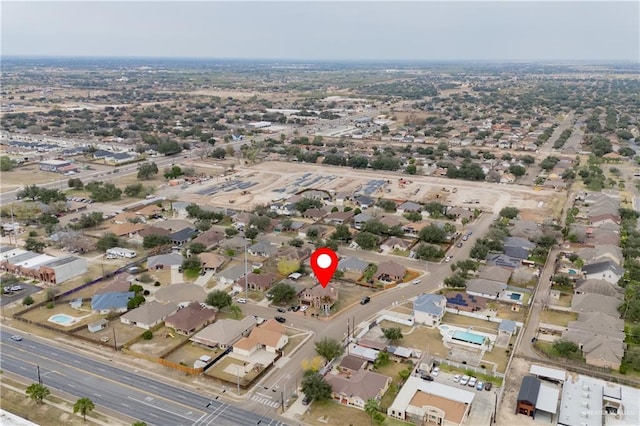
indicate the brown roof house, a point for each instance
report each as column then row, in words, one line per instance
column 191, row 318
column 390, row 271
column 260, row 282
column 224, row 333
column 351, row 364
column 339, row 218
column 319, row 297
column 354, row 391
column 210, row 238
column 211, row 261
column 268, row 338
column 149, row 315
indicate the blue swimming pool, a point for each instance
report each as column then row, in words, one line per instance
column 465, row 336
column 62, row 319
column 515, row 296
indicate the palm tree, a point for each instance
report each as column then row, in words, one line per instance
column 372, row 407
column 235, row 311
column 38, row 392
column 83, row 406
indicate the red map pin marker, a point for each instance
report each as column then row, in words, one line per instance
column 324, row 263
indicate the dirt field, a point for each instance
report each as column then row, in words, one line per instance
column 507, row 406
column 189, row 353
column 271, row 176
column 161, row 343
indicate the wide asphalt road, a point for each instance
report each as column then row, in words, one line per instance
column 134, row 395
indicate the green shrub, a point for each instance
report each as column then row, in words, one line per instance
column 156, row 284
column 27, row 301
column 50, row 305
column 147, row 335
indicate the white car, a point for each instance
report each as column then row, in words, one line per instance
column 456, row 378
column 415, row 282
column 464, row 380
column 303, row 308
column 472, row 382
column 241, row 300
column 435, row 371
column 448, row 258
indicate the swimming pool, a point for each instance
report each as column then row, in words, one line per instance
column 465, row 336
column 62, row 319
column 515, row 296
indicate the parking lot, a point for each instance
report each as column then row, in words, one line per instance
column 27, row 289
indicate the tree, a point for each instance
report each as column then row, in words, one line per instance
column 372, row 408
column 196, row 248
column 107, row 241
column 393, row 333
column 314, row 364
column 192, row 263
column 32, row 244
column 566, row 349
column 136, row 301
column 517, row 170
column 83, row 406
column 509, row 212
column 230, row 231
column 169, row 147
column 101, row 192
column 251, row 233
column 137, row 190
column 75, row 183
column 288, row 266
column 235, row 311
column 147, row 170
column 219, row 299
column 37, row 392
column 329, row 348
column 6, row 164
column 432, row 234
column 366, row 240
column 282, row 293
column 382, row 359
column 316, row 387
column 341, row 233
column 173, row 172
column 155, row 240
column 27, row 301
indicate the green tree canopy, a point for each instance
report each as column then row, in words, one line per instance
column 107, row 241
column 316, row 387
column 329, row 348
column 218, row 298
column 83, row 406
column 147, row 170
column 282, row 293
column 37, row 392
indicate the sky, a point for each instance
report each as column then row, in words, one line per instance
column 319, row 30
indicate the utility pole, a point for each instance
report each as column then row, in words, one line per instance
column 115, row 344
column 246, row 277
column 39, row 378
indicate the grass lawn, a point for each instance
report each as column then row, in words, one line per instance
column 392, row 370
column 505, row 312
column 425, row 339
column 332, row 413
column 43, row 414
column 547, row 348
column 557, row 317
column 293, row 343
column 477, row 324
column 565, row 300
column 191, row 274
column 411, row 275
column 497, row 356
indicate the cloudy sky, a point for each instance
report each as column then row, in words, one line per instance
column 339, row 30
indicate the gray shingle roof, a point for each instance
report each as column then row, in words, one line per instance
column 428, row 303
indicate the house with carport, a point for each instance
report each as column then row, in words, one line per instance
column 149, row 314
column 191, row 318
column 355, row 390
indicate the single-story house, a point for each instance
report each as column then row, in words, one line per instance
column 351, row 364
column 262, row 249
column 409, row 207
column 191, row 318
column 111, row 302
column 149, row 314
column 224, row 333
column 390, row 271
column 358, row 388
column 485, row 288
column 606, row 270
column 210, row 238
column 260, row 282
column 97, row 326
column 162, row 261
column 352, row 264
column 268, row 338
column 231, row 275
column 211, row 261
column 182, row 236
column 339, row 218
column 395, row 243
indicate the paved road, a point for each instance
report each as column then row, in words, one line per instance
column 135, row 395
column 286, row 378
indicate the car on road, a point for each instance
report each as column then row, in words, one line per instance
column 465, row 238
column 241, row 300
column 456, row 378
column 281, row 320
column 480, row 385
column 459, row 245
column 416, row 282
column 472, row 382
column 464, row 380
column 16, row 288
column 365, row 300
column 488, row 386
column 295, row 308
column 435, row 371
column 282, row 310
column 306, row 400
column 427, row 378
column 16, row 338
column 448, row 258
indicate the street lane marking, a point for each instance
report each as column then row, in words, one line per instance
column 158, row 408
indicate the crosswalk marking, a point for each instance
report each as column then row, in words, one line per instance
column 265, row 401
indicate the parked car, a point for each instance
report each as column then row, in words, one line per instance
column 365, row 300
column 465, row 238
column 427, row 378
column 435, row 371
column 280, row 319
column 16, row 338
column 16, row 288
column 459, row 245
column 456, row 378
column 304, row 308
column 306, row 400
column 480, row 385
column 464, row 380
column 282, row 310
column 241, row 300
column 448, row 258
column 488, row 386
column 295, row 308
column 472, row 382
